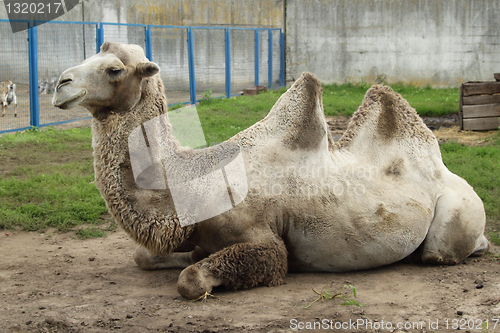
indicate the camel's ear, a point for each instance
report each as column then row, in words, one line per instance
column 147, row 69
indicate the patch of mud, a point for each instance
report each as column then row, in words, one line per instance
column 435, row 123
column 57, row 283
column 444, row 128
column 469, row 138
column 337, row 125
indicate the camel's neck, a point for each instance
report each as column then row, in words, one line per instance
column 147, row 215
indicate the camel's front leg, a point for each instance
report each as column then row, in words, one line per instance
column 242, row 265
column 147, row 261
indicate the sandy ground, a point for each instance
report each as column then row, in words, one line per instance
column 56, row 282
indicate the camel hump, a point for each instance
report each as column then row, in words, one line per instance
column 385, row 117
column 298, row 115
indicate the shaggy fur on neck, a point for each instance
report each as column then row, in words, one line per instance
column 147, row 216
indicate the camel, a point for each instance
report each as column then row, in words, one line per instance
column 8, row 95
column 378, row 195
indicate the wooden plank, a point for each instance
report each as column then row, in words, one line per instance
column 481, row 99
column 481, row 124
column 481, row 111
column 460, row 108
column 481, row 88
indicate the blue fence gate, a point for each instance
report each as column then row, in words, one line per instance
column 192, row 60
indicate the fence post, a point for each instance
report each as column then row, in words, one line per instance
column 99, row 37
column 282, row 59
column 192, row 83
column 228, row 63
column 257, row 60
column 149, row 47
column 33, row 68
column 270, row 59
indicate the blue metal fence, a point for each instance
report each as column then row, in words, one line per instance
column 193, row 60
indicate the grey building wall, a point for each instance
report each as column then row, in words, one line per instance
column 243, row 13
column 437, row 42
column 62, row 46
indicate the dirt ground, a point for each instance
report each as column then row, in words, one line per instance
column 55, row 282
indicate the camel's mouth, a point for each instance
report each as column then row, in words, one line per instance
column 62, row 101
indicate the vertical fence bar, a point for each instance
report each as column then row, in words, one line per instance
column 99, row 36
column 149, row 47
column 228, row 63
column 33, row 68
column 192, row 82
column 257, row 60
column 270, row 59
column 282, row 59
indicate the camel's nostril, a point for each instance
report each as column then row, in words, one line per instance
column 63, row 82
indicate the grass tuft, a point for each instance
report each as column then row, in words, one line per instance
column 347, row 294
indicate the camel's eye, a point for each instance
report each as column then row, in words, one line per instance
column 114, row 71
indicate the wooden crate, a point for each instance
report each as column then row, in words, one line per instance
column 480, row 105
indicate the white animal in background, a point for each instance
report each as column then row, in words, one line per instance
column 47, row 85
column 8, row 96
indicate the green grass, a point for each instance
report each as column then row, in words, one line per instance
column 93, row 232
column 430, row 102
column 225, row 117
column 46, row 176
column 90, row 232
column 480, row 166
column 345, row 99
column 46, row 180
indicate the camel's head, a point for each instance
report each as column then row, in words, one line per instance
column 112, row 80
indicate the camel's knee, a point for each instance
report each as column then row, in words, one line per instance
column 194, row 282
column 147, row 261
column 144, row 259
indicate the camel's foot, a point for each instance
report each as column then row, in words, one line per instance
column 195, row 282
column 147, row 261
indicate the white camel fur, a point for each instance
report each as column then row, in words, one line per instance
column 380, row 194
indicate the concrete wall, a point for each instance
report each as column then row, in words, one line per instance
column 62, row 46
column 437, row 42
column 243, row 13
